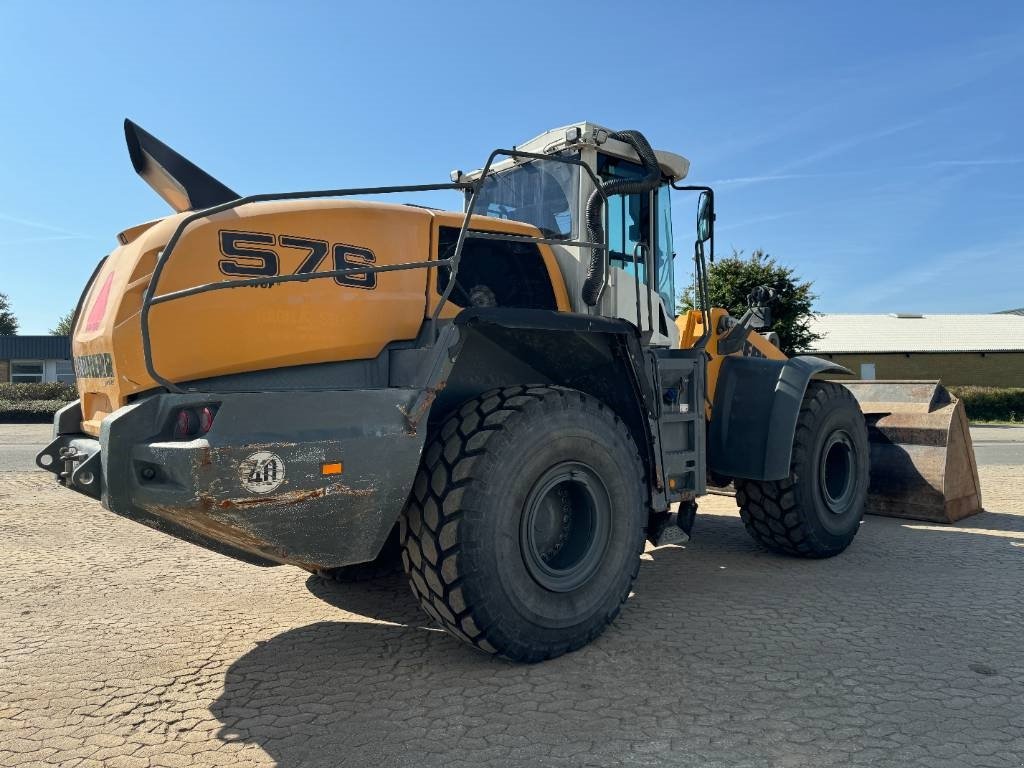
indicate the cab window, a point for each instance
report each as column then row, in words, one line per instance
column 537, row 192
column 627, row 216
column 630, row 223
column 665, row 252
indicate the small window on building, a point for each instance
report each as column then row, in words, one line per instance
column 867, row 371
column 65, row 371
column 26, row 372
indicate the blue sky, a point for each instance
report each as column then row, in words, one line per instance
column 876, row 147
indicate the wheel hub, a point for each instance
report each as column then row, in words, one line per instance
column 552, row 529
column 564, row 527
column 837, row 472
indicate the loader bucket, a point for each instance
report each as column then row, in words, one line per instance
column 922, row 460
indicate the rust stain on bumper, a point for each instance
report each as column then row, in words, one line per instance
column 225, row 533
column 285, row 499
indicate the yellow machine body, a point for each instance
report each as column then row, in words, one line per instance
column 691, row 329
column 262, row 327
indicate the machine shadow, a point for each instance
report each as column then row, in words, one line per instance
column 352, row 692
column 387, row 598
column 717, row 629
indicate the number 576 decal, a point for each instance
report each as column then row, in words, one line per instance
column 253, row 254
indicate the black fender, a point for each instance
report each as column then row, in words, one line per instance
column 499, row 346
column 754, row 415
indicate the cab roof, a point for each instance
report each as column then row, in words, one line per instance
column 675, row 167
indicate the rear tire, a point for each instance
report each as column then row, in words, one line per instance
column 523, row 533
column 817, row 510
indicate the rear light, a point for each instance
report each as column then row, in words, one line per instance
column 186, row 424
column 194, row 422
column 206, row 414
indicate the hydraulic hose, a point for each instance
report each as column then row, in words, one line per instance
column 594, row 284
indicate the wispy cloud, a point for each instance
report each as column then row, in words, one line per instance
column 837, row 148
column 745, row 180
column 43, row 226
column 741, row 181
column 758, row 220
column 43, row 239
column 941, row 273
column 975, row 163
column 825, row 98
column 784, row 172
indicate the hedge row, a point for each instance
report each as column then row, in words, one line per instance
column 38, row 402
column 52, row 390
column 992, row 403
column 29, row 411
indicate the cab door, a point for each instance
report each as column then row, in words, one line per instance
column 640, row 251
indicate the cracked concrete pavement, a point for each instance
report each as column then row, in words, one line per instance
column 123, row 647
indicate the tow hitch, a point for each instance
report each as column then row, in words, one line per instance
column 75, row 460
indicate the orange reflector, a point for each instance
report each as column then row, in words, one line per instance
column 332, row 469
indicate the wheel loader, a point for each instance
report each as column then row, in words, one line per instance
column 504, row 394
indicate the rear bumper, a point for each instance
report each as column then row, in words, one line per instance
column 202, row 490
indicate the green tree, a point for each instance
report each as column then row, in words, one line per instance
column 63, row 326
column 8, row 322
column 730, row 281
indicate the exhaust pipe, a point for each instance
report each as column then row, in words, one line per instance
column 183, row 184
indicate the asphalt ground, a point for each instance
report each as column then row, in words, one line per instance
column 120, row 646
column 998, row 445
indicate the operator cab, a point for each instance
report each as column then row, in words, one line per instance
column 552, row 196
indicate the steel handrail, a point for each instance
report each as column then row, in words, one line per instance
column 150, row 298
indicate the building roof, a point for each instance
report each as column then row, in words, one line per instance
column 35, row 348
column 918, row 333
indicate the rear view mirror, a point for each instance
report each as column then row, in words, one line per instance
column 705, row 217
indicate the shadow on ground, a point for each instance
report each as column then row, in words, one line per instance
column 723, row 655
column 386, row 598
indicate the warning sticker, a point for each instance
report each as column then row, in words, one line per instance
column 261, row 472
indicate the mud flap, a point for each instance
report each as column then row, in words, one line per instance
column 922, row 460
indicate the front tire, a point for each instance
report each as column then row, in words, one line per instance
column 524, row 529
column 817, row 510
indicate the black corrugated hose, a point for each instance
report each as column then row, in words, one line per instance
column 593, row 286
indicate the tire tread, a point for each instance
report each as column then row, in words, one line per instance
column 770, row 509
column 442, row 480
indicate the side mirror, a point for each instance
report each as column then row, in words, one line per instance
column 705, row 217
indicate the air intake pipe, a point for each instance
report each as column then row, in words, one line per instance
column 593, row 286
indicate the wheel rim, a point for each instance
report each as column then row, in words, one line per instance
column 564, row 528
column 838, row 472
